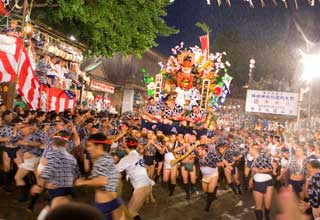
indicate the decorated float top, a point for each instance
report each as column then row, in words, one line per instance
column 193, row 77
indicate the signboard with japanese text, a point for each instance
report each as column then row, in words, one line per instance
column 272, row 102
column 100, row 86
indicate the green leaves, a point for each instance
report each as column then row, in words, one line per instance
column 109, row 26
column 205, row 28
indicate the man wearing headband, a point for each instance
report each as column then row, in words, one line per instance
column 133, row 164
column 60, row 125
column 58, row 174
column 104, row 177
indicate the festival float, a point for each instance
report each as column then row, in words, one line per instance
column 194, row 77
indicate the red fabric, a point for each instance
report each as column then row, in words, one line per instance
column 28, row 83
column 9, row 63
column 3, row 11
column 19, row 64
column 56, row 100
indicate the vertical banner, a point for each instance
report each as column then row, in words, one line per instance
column 127, row 101
column 204, row 40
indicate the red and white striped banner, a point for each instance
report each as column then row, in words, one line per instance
column 15, row 62
column 10, row 48
column 54, row 99
column 28, row 83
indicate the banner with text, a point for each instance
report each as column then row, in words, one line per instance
column 100, row 86
column 272, row 102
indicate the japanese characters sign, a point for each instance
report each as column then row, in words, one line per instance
column 271, row 102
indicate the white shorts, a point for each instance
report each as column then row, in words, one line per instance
column 168, row 157
column 262, row 177
column 142, row 182
column 208, row 173
column 30, row 164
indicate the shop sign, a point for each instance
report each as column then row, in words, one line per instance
column 100, row 86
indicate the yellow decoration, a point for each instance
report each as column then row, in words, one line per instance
column 200, row 60
column 5, row 89
column 205, row 67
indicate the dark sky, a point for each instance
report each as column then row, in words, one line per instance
column 268, row 34
column 255, row 24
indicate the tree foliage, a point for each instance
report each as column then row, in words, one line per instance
column 108, row 26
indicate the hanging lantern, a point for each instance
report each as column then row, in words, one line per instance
column 28, row 29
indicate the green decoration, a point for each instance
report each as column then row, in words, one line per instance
column 143, row 70
column 150, row 92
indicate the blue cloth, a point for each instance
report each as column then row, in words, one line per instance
column 211, row 159
column 62, row 191
column 62, row 168
column 108, row 207
column 314, row 191
column 104, row 166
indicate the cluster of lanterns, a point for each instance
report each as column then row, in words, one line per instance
column 234, row 107
column 74, row 57
column 51, row 45
column 263, row 2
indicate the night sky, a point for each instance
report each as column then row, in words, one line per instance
column 254, row 24
column 258, row 28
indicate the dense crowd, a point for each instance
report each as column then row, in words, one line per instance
column 95, row 149
column 269, row 84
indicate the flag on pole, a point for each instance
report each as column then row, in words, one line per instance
column 204, row 40
column 3, row 10
column 15, row 62
column 28, row 83
column 10, row 50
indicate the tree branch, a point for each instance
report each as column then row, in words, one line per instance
column 45, row 5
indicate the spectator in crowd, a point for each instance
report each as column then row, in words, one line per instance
column 74, row 211
column 13, row 30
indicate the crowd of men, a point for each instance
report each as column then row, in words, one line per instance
column 268, row 83
column 57, row 152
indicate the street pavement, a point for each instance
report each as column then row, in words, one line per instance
column 176, row 207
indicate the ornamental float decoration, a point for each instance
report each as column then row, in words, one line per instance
column 192, row 76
